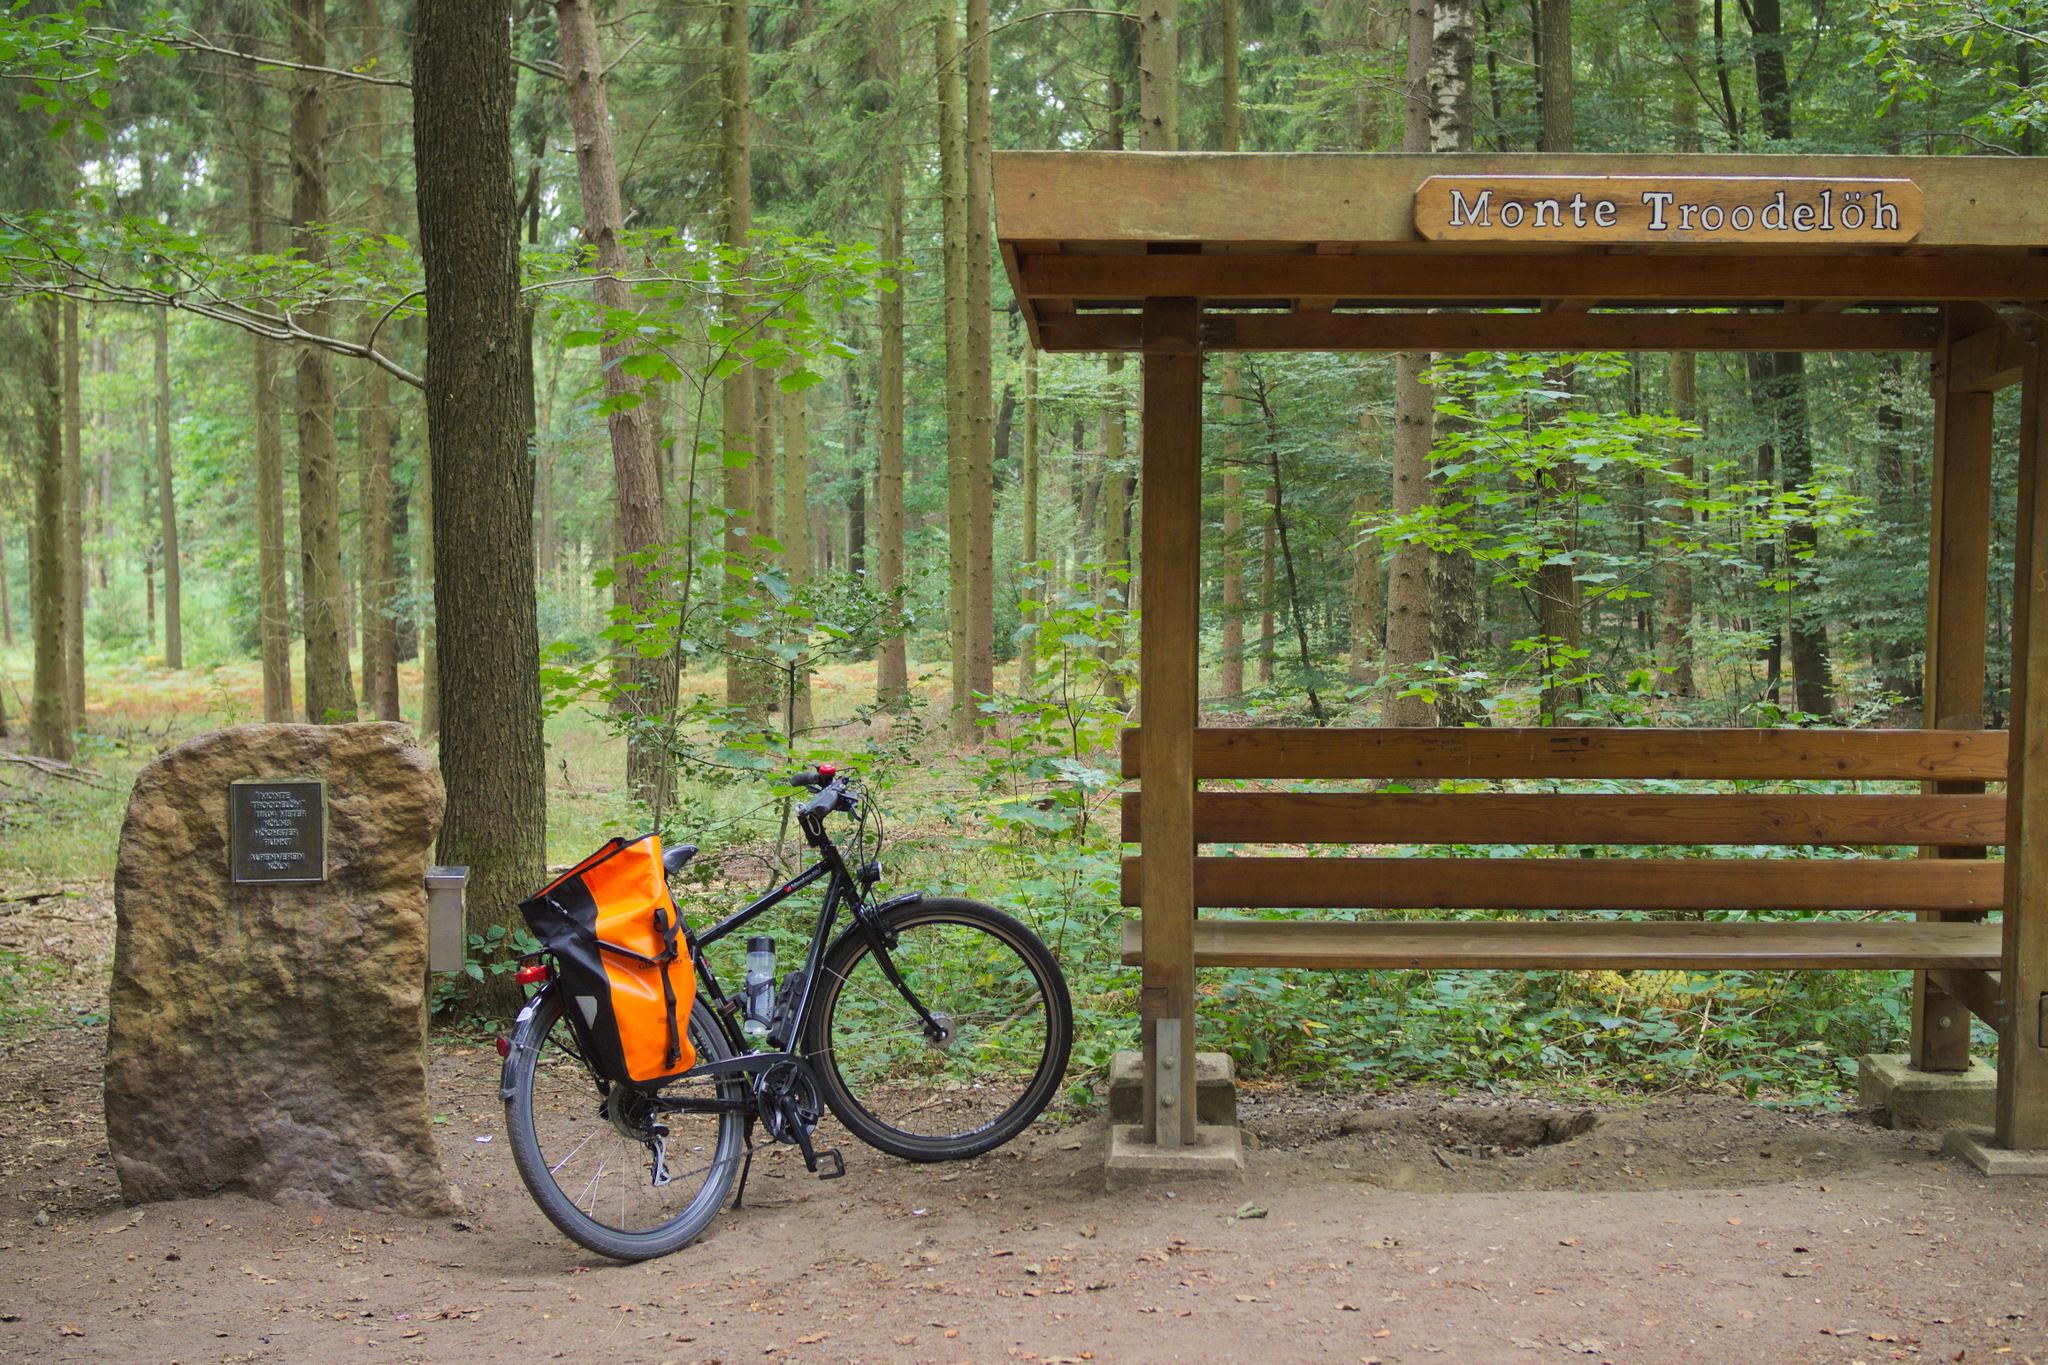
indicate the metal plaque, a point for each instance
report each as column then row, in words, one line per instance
column 277, row 830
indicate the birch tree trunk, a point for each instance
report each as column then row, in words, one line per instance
column 330, row 696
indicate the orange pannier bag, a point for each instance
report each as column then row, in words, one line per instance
column 613, row 928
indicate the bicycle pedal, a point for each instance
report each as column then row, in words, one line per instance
column 838, row 1163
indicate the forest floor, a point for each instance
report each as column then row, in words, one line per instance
column 1399, row 1228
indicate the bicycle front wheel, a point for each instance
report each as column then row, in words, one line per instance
column 587, row 1151
column 1002, row 1007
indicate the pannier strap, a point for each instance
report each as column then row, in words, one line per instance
column 668, row 987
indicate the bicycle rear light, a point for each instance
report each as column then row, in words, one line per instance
column 531, row 972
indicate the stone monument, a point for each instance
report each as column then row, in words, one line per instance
column 267, row 1028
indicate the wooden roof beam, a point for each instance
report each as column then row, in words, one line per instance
column 1986, row 360
column 1514, row 332
column 1477, row 278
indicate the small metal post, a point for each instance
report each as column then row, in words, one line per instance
column 444, row 918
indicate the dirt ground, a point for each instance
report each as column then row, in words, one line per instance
column 1409, row 1228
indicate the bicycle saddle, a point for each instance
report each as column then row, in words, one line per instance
column 672, row 859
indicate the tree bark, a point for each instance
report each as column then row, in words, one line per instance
column 74, row 526
column 1786, row 385
column 1027, row 650
column 330, row 695
column 892, row 673
column 166, row 495
column 953, row 190
column 377, row 559
column 796, row 532
column 1560, row 619
column 50, row 731
column 648, row 682
column 1159, row 75
column 1409, row 645
column 492, row 757
column 273, row 610
column 736, row 168
column 1675, row 607
column 6, row 593
column 1228, row 95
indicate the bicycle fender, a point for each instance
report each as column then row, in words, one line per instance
column 525, row 1035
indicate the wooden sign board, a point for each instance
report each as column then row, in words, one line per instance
column 277, row 831
column 1694, row 210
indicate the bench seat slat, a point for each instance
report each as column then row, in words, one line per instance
column 1573, row 818
column 1565, row 946
column 1866, row 884
column 1702, row 755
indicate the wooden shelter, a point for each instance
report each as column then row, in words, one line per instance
column 1173, row 255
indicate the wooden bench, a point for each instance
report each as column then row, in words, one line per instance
column 1949, row 889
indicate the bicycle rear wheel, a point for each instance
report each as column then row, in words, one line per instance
column 1002, row 1001
column 587, row 1152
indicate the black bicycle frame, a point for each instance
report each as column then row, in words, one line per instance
column 841, row 888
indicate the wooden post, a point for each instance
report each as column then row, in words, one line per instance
column 1168, row 659
column 2022, row 1056
column 1958, row 571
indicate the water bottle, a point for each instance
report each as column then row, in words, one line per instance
column 759, row 993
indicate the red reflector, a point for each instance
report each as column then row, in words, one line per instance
column 530, row 973
column 828, row 769
column 504, row 1046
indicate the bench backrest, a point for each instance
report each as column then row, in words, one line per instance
column 1950, row 812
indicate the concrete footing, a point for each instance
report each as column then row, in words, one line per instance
column 1218, row 1152
column 1980, row 1149
column 1215, row 1088
column 1905, row 1098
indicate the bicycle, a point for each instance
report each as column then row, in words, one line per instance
column 932, row 1028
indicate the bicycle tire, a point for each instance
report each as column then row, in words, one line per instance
column 522, row 1064
column 843, row 959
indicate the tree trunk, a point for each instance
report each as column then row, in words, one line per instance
column 492, row 757
column 1560, row 620
column 1027, row 650
column 166, row 496
column 330, row 695
column 273, row 610
column 892, row 672
column 1269, row 591
column 1233, row 405
column 1409, row 645
column 73, row 531
column 952, row 136
column 1159, row 75
column 1786, row 385
column 430, row 662
column 1368, row 597
column 378, row 556
column 1674, row 616
column 50, row 731
column 6, row 593
column 648, row 683
column 796, row 533
column 736, row 167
